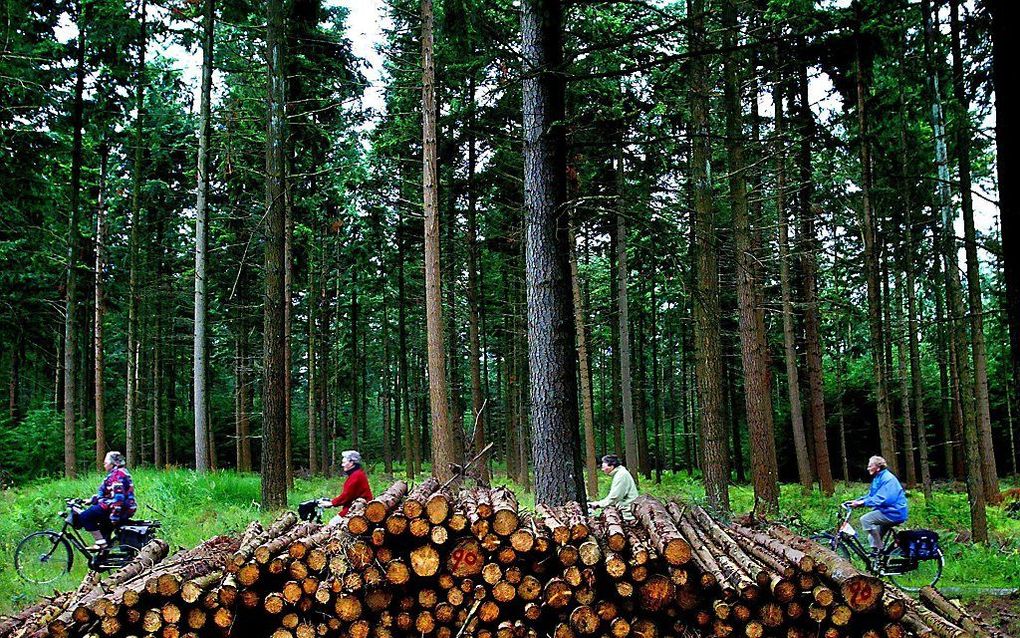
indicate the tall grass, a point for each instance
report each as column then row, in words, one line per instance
column 195, row 507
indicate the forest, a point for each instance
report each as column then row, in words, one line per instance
column 751, row 241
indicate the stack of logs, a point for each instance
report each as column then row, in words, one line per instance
column 432, row 563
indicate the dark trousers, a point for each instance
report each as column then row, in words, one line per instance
column 95, row 518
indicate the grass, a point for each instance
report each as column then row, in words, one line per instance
column 195, row 507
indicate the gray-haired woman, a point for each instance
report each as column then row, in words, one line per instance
column 113, row 503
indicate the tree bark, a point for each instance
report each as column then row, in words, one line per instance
column 587, row 403
column 313, row 424
column 954, row 302
column 355, row 375
column 707, row 341
column 906, row 410
column 199, row 372
column 753, row 346
column 402, row 367
column 906, row 344
column 134, row 294
column 630, row 435
column 789, row 336
column 474, row 294
column 73, row 246
column 989, row 473
column 100, row 311
column 274, row 471
column 445, row 440
column 288, row 324
column 887, row 442
column 551, row 332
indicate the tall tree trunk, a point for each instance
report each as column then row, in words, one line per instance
column 909, row 467
column 355, row 376
column 274, row 470
column 630, row 434
column 916, row 381
column 657, row 401
column 313, row 425
column 707, row 340
column 445, row 439
column 909, row 264
column 100, row 314
column 614, row 343
column 134, row 294
column 473, row 294
column 157, row 389
column 199, row 372
column 288, row 326
column 989, row 473
column 402, row 368
column 907, row 326
column 73, row 246
column 551, row 333
column 753, row 346
column 385, row 389
column 587, row 404
column 954, row 303
column 887, row 442
column 789, row 336
column 1007, row 143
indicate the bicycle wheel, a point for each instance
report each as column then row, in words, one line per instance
column 830, row 541
column 927, row 572
column 42, row 557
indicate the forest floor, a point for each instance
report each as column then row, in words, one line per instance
column 196, row 507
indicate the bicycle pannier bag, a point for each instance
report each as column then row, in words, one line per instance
column 136, row 535
column 918, row 544
column 306, row 510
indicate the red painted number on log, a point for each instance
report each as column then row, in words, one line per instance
column 860, row 594
column 460, row 557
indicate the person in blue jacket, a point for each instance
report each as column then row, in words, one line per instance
column 887, row 500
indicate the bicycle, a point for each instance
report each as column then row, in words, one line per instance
column 910, row 559
column 43, row 557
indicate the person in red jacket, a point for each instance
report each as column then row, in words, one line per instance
column 356, row 486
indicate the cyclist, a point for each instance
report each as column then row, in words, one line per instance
column 355, row 486
column 887, row 500
column 623, row 490
column 113, row 504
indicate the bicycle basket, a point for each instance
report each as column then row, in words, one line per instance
column 136, row 535
column 918, row 544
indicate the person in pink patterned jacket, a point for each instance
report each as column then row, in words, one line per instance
column 113, row 504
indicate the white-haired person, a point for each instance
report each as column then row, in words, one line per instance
column 113, row 503
column 355, row 485
column 887, row 500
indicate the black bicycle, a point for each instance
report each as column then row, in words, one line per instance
column 911, row 559
column 43, row 557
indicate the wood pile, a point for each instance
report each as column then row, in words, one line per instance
column 427, row 562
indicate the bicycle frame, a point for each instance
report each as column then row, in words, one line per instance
column 846, row 535
column 93, row 559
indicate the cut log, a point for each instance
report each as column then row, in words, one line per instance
column 662, row 531
column 377, row 509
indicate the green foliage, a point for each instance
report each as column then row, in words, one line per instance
column 31, row 446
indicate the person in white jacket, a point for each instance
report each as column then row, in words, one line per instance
column 623, row 490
